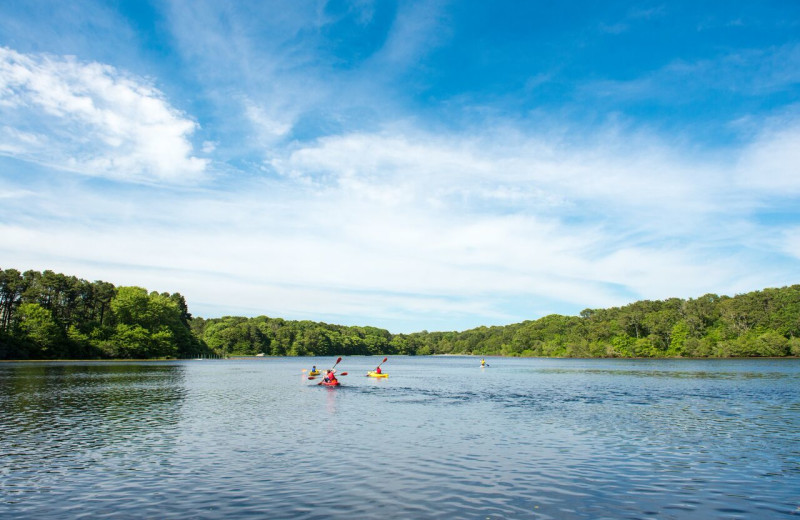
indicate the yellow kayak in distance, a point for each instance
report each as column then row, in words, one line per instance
column 314, row 373
column 374, row 374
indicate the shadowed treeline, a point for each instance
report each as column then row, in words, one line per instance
column 53, row 316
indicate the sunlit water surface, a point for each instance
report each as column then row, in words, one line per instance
column 440, row 438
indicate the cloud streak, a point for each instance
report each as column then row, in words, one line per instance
column 745, row 72
column 92, row 119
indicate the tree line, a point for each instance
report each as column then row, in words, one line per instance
column 48, row 315
column 762, row 323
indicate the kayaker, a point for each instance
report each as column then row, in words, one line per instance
column 330, row 377
column 483, row 362
column 314, row 369
column 378, row 370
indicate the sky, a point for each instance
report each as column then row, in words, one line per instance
column 409, row 165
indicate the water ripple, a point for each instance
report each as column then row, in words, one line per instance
column 525, row 439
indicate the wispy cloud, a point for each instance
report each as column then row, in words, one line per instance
column 771, row 163
column 748, row 72
column 417, row 30
column 92, row 119
column 633, row 17
column 397, row 227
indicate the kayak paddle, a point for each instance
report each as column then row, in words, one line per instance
column 314, row 377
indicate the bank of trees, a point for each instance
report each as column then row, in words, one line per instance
column 48, row 315
column 758, row 324
column 279, row 337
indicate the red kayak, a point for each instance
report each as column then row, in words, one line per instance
column 329, row 383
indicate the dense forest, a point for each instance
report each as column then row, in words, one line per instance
column 48, row 316
column 53, row 316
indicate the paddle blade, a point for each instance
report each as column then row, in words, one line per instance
column 312, row 377
column 304, row 370
column 343, row 374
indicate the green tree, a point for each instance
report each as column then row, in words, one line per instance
column 37, row 326
column 678, row 336
column 148, row 325
column 11, row 288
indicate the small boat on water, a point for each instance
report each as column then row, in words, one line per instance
column 377, row 372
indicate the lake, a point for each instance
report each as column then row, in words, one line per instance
column 439, row 438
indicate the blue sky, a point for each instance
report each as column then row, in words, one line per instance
column 409, row 165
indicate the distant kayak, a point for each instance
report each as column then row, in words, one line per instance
column 375, row 374
column 314, row 373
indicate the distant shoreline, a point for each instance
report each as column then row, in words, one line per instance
column 233, row 358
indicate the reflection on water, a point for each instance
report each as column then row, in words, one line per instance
column 440, row 438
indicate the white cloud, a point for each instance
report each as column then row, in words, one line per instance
column 14, row 142
column 268, row 124
column 93, row 119
column 436, row 232
column 790, row 241
column 772, row 162
column 615, row 174
column 416, row 31
column 14, row 193
column 540, row 217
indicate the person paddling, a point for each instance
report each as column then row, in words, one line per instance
column 377, row 370
column 330, row 376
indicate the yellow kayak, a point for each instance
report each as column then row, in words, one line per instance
column 374, row 374
column 314, row 373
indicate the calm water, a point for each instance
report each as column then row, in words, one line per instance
column 440, row 438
